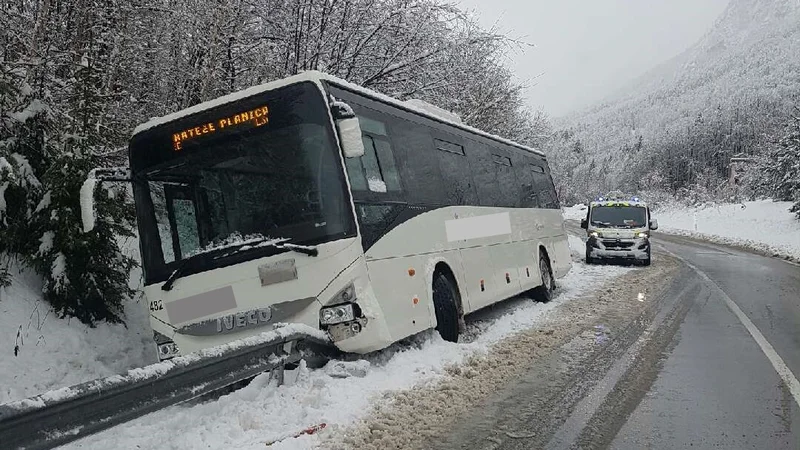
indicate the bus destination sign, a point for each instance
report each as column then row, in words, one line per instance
column 255, row 117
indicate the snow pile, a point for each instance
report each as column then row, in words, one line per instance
column 765, row 226
column 52, row 352
column 341, row 393
column 55, row 352
column 576, row 212
column 577, row 248
column 376, row 185
column 87, row 203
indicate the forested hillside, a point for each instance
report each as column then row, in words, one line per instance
column 674, row 130
column 76, row 76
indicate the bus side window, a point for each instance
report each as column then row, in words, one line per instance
column 544, row 185
column 376, row 171
column 183, row 220
column 186, row 226
column 527, row 190
column 509, row 187
column 484, row 173
column 458, row 186
column 551, row 185
column 163, row 225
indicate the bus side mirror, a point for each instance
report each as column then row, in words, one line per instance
column 584, row 224
column 654, row 224
column 349, row 129
column 88, row 212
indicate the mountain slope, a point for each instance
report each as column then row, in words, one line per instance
column 728, row 91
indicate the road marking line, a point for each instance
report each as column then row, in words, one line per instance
column 777, row 362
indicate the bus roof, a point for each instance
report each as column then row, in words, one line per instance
column 316, row 77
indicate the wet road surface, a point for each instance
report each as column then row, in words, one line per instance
column 717, row 387
column 713, row 364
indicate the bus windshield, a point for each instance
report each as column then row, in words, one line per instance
column 276, row 174
column 619, row 216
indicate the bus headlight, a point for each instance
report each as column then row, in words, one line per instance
column 595, row 234
column 336, row 314
column 642, row 235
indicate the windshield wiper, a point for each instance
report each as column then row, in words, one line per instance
column 184, row 264
column 177, row 273
column 282, row 244
column 266, row 242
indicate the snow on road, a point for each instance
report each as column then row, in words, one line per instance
column 340, row 394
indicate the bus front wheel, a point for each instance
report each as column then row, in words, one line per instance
column 445, row 297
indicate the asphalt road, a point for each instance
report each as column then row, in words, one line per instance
column 715, row 365
column 718, row 387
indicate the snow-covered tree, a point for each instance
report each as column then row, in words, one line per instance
column 777, row 173
column 53, row 128
column 76, row 76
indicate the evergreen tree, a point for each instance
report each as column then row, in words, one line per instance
column 23, row 124
column 781, row 167
column 48, row 144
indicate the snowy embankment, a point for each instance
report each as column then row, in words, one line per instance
column 42, row 352
column 577, row 212
column 764, row 226
column 342, row 393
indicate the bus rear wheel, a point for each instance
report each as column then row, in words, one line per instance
column 544, row 293
column 445, row 296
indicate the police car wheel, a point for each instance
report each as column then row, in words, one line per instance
column 646, row 262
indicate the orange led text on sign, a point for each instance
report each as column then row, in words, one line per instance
column 256, row 117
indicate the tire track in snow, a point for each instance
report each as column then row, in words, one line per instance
column 419, row 418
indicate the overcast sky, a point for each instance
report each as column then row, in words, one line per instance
column 586, row 49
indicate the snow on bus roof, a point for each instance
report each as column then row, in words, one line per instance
column 225, row 99
column 316, row 76
column 410, row 107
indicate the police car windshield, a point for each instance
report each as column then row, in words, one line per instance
column 619, row 216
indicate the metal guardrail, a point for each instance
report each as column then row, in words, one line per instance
column 65, row 415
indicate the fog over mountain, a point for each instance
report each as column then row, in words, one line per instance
column 677, row 126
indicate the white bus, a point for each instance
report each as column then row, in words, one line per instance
column 311, row 200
